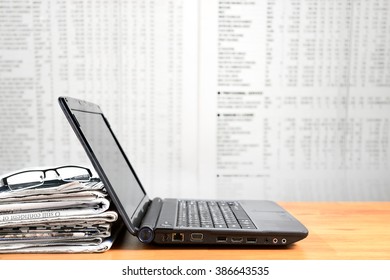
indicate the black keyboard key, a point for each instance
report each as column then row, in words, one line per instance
column 212, row 214
column 220, row 226
column 249, row 227
column 205, row 217
column 233, row 225
column 217, row 215
column 182, row 215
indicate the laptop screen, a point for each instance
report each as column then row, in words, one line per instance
column 112, row 161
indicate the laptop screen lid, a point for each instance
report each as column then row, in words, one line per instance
column 108, row 159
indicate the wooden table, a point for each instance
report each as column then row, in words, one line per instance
column 337, row 230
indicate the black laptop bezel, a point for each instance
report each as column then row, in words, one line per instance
column 69, row 104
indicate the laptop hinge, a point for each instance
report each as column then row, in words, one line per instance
column 148, row 224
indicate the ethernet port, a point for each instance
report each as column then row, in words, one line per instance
column 178, row 237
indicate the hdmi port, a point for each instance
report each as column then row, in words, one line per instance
column 237, row 239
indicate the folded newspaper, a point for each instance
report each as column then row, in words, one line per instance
column 67, row 218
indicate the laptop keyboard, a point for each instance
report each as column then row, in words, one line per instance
column 212, row 214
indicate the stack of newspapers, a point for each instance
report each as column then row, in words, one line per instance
column 69, row 217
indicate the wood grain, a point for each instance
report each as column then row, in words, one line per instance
column 337, row 230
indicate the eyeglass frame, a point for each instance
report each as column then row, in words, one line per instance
column 55, row 169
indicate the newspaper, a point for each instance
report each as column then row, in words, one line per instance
column 63, row 218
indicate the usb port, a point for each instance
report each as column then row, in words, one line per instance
column 251, row 240
column 221, row 239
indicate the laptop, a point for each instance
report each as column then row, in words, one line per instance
column 170, row 220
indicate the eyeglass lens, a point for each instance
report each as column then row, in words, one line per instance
column 73, row 174
column 26, row 179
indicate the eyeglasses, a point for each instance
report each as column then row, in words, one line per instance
column 35, row 178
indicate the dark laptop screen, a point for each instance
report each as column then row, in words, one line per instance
column 112, row 161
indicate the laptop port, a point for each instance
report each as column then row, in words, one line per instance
column 178, row 237
column 275, row 240
column 165, row 237
column 237, row 239
column 284, row 240
column 221, row 239
column 196, row 236
column 251, row 240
